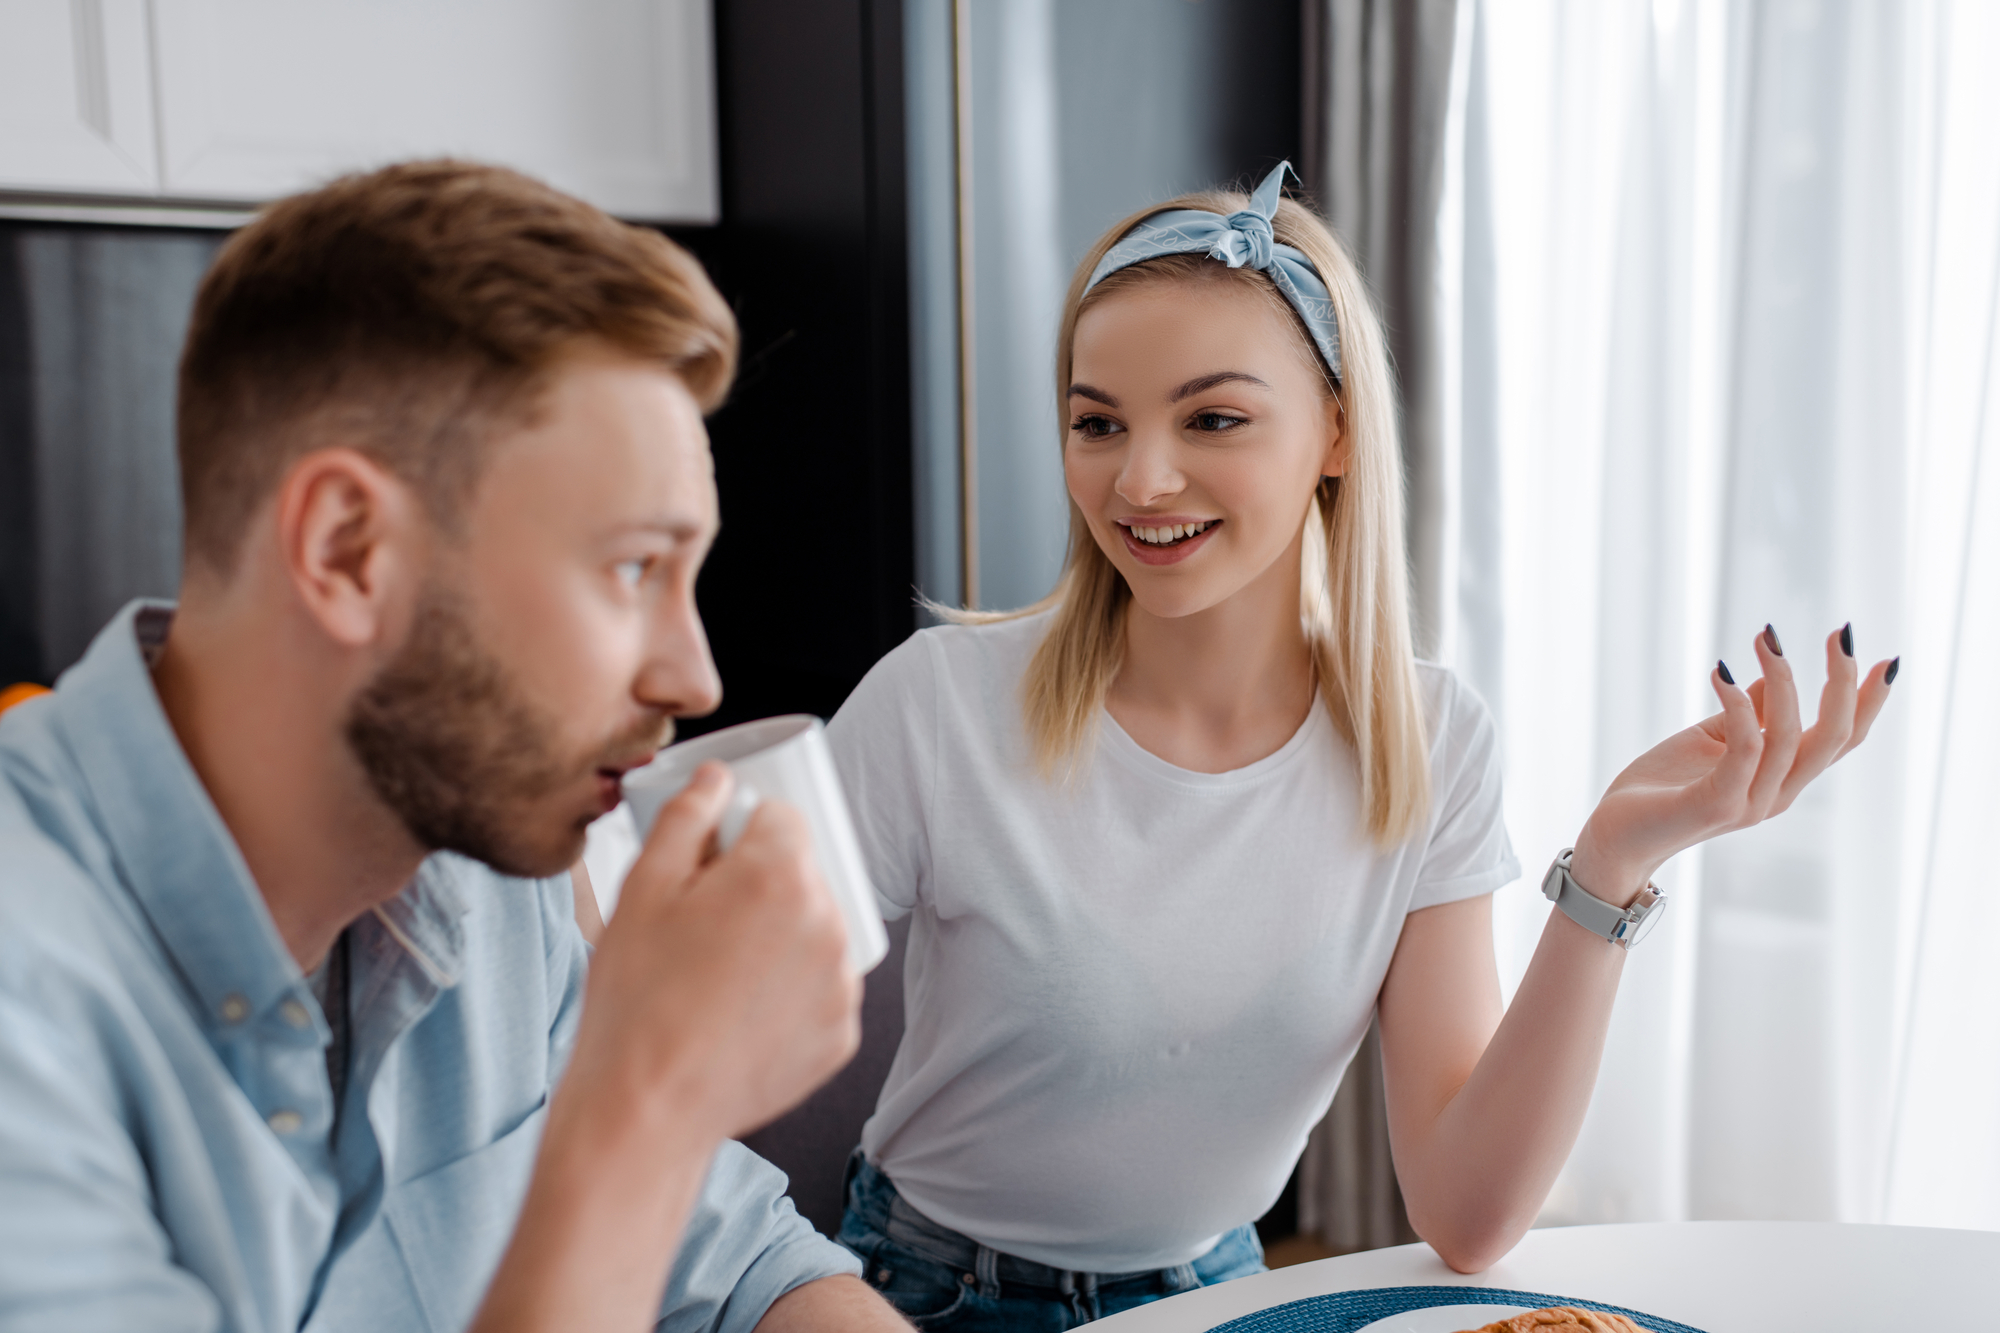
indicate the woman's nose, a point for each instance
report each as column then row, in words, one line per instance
column 1150, row 473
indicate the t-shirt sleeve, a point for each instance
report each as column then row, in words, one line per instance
column 1468, row 852
column 745, row 1247
column 884, row 741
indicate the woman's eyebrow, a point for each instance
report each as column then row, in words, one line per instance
column 1203, row 383
column 1092, row 393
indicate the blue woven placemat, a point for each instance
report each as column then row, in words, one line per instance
column 1346, row 1311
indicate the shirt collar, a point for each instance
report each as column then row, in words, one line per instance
column 178, row 858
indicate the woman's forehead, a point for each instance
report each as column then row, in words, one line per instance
column 1166, row 332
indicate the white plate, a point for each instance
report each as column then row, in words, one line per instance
column 1445, row 1318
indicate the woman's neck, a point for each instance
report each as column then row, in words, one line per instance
column 1221, row 688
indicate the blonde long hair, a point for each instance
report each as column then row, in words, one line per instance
column 1354, row 584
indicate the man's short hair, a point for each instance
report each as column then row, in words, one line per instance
column 407, row 312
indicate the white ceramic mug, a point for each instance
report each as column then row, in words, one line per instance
column 787, row 758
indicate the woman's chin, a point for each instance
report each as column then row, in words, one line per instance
column 1190, row 598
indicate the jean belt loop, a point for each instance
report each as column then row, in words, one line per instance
column 1182, row 1277
column 854, row 1160
column 1091, row 1310
column 987, row 1267
column 1072, row 1297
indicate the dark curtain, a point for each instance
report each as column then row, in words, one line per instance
column 91, row 320
column 1377, row 91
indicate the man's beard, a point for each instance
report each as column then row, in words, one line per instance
column 464, row 759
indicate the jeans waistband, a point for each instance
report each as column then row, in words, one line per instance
column 873, row 1198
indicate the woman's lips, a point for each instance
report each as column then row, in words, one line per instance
column 1146, row 553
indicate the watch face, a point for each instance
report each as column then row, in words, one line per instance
column 1648, row 922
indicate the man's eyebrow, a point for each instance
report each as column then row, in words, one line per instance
column 1092, row 393
column 1203, row 383
column 679, row 529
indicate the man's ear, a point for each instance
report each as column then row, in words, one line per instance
column 347, row 530
column 1334, row 462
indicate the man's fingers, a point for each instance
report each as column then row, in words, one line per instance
column 1781, row 725
column 679, row 841
column 776, row 829
column 777, row 849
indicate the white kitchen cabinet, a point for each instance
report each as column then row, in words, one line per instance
column 76, row 97
column 612, row 100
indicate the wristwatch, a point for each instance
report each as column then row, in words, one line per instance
column 1623, row 926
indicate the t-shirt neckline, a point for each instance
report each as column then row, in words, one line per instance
column 1120, row 743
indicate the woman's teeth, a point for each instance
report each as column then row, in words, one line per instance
column 1173, row 532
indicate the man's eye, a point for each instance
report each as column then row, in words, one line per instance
column 1215, row 422
column 632, row 573
column 1094, row 428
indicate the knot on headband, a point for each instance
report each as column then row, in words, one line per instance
column 1240, row 239
column 1248, row 240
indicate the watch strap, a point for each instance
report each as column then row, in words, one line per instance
column 1614, row 924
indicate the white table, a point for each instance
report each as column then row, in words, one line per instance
column 1721, row 1277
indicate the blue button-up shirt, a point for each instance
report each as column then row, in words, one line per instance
column 169, row 1154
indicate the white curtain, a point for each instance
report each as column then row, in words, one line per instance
column 1715, row 307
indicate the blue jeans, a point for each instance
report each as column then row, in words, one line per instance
column 939, row 1279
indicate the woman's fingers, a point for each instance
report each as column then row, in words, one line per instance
column 1874, row 693
column 1826, row 740
column 1731, row 777
column 1781, row 727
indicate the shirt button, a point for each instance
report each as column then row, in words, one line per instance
column 284, row 1122
column 295, row 1014
column 235, row 1009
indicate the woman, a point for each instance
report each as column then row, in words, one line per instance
column 1175, row 835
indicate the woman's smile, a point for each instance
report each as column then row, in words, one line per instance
column 1167, row 540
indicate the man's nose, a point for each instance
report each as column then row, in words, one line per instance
column 679, row 674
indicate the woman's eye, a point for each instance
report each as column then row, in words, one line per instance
column 1214, row 423
column 1094, row 428
column 632, row 573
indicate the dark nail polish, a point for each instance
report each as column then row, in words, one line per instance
column 1889, row 676
column 1771, row 642
column 1728, row 679
column 1847, row 638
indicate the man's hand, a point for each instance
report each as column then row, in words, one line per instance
column 718, row 998
column 718, row 995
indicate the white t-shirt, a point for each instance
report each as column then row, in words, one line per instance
column 1129, row 997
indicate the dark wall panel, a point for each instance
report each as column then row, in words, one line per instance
column 813, row 577
column 811, row 581
column 91, row 320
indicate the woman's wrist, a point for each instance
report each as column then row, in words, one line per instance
column 1602, row 873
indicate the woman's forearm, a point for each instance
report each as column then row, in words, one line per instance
column 1475, row 1173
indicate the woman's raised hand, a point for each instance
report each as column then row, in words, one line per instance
column 1729, row 771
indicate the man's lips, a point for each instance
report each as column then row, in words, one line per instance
column 1147, row 553
column 611, row 782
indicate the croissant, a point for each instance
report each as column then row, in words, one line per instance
column 1562, row 1319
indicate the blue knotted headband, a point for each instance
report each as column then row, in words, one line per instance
column 1236, row 239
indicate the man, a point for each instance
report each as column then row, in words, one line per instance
column 289, row 979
